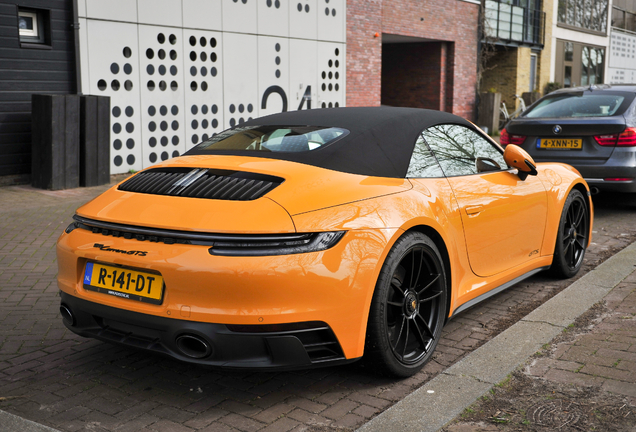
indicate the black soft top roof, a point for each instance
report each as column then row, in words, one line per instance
column 380, row 142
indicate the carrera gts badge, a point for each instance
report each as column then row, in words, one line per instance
column 121, row 251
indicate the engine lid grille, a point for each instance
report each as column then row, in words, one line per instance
column 202, row 183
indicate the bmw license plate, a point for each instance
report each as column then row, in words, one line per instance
column 124, row 283
column 560, row 143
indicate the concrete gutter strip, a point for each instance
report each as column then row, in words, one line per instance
column 446, row 396
column 13, row 423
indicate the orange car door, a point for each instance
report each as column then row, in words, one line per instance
column 504, row 218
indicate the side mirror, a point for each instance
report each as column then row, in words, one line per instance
column 518, row 158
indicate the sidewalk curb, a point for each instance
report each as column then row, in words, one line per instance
column 446, row 396
column 10, row 422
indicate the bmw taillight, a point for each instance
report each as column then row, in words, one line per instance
column 625, row 139
column 505, row 138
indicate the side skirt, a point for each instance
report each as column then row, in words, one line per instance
column 495, row 291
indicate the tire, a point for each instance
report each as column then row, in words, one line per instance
column 408, row 307
column 572, row 237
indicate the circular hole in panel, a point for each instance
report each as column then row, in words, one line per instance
column 193, row 85
column 324, row 75
column 337, row 63
column 193, row 55
column 164, row 156
column 232, row 122
column 204, row 109
column 129, row 111
column 163, row 126
column 299, row 7
column 195, row 139
column 203, row 56
column 116, row 111
column 152, row 126
column 330, row 105
column 114, row 68
column 175, row 153
column 152, row 157
column 127, row 52
column 152, row 142
column 118, row 160
column 204, row 124
column 232, row 108
column 128, row 85
column 250, row 108
column 324, row 105
column 326, row 1
column 193, row 71
column 269, row 3
column 241, row 108
column 163, row 110
column 214, row 109
column 277, row 60
column 173, row 70
column 327, row 11
column 101, row 84
column 162, row 85
column 337, row 75
column 172, row 39
column 336, row 104
column 203, row 41
column 277, row 47
column 307, row 8
column 215, row 123
column 161, row 54
column 324, row 86
column 162, row 69
column 173, row 55
column 194, row 124
column 205, row 137
column 333, row 12
column 161, row 38
column 193, row 41
column 164, row 141
column 150, row 53
column 151, row 85
column 204, row 71
column 213, row 42
column 213, row 71
column 244, row 1
column 337, row 51
column 150, row 69
column 337, row 87
column 130, row 143
column 194, row 109
column 174, row 110
column 277, row 4
column 115, row 85
column 174, row 125
column 330, row 63
column 117, row 144
column 152, row 110
column 330, row 86
column 175, row 140
column 212, row 57
column 174, row 86
column 277, row 73
column 204, row 86
column 330, row 75
column 241, row 120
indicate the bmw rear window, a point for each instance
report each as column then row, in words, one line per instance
column 288, row 139
column 581, row 104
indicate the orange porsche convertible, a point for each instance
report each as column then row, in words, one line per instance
column 315, row 237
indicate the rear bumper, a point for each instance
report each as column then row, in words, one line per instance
column 612, row 186
column 290, row 346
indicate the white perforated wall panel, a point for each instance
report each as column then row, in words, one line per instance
column 273, row 75
column 202, row 14
column 239, row 16
column 331, row 58
column 302, row 74
column 331, row 20
column 303, row 19
column 240, row 78
column 116, row 10
column 273, row 17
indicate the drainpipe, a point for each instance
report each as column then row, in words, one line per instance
column 78, row 65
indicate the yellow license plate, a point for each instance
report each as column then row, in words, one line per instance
column 124, row 283
column 560, row 143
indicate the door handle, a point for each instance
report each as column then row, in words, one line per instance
column 473, row 210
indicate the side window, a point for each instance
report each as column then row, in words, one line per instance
column 423, row 163
column 457, row 149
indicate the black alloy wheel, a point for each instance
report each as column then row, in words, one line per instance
column 572, row 238
column 408, row 308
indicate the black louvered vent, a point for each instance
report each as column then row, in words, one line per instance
column 202, row 183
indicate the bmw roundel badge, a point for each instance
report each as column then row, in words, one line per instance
column 557, row 129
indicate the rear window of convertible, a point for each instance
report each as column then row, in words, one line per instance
column 289, row 139
column 581, row 104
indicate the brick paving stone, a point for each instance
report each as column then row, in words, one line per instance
column 241, row 423
column 273, row 413
column 284, row 424
column 340, row 409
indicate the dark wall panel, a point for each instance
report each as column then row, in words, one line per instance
column 25, row 71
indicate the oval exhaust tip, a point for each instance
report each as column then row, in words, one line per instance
column 193, row 346
column 67, row 315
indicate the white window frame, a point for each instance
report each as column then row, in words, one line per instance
column 34, row 32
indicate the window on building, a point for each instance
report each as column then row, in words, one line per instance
column 589, row 14
column 624, row 19
column 578, row 64
column 33, row 27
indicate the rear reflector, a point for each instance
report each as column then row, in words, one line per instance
column 505, row 138
column 625, row 139
column 618, row 179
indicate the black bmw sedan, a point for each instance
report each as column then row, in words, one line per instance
column 591, row 128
